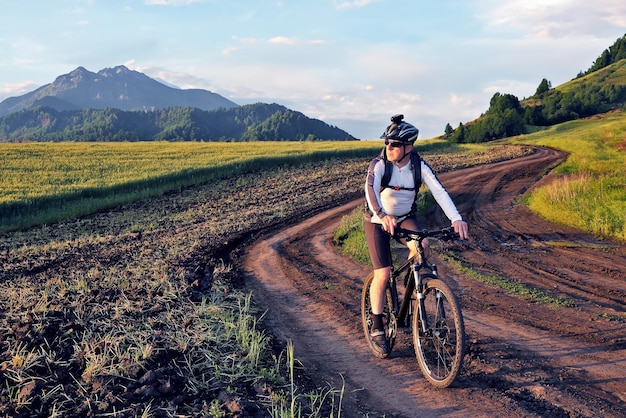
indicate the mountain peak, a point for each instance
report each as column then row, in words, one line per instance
column 80, row 70
column 78, row 73
column 117, row 87
column 118, row 71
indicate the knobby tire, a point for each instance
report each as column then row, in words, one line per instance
column 441, row 348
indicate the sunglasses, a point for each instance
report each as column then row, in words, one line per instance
column 394, row 144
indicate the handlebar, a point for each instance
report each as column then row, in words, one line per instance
column 446, row 234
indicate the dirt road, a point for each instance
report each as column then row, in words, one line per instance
column 524, row 359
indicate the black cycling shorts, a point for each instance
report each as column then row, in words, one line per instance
column 379, row 242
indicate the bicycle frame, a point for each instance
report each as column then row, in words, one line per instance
column 413, row 280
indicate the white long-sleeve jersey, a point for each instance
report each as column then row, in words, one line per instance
column 399, row 201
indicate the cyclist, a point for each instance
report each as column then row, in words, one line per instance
column 392, row 205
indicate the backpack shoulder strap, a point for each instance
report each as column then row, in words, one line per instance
column 416, row 161
column 387, row 175
column 388, row 168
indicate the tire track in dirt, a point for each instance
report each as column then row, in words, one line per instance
column 328, row 342
column 524, row 359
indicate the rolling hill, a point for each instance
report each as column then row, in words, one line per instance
column 600, row 89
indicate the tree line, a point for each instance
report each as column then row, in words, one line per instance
column 599, row 89
column 254, row 122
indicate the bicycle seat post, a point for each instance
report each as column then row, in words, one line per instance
column 421, row 253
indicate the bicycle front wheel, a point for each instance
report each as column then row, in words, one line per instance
column 366, row 316
column 439, row 347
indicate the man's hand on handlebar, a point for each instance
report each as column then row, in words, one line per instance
column 460, row 227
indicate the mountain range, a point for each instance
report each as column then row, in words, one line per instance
column 117, row 104
column 116, row 87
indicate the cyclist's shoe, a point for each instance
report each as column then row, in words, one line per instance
column 380, row 343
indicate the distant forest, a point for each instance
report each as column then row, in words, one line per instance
column 599, row 89
column 255, row 122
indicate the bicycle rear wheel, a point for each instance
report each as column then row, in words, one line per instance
column 366, row 319
column 440, row 348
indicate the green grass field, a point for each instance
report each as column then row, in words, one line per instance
column 589, row 190
column 47, row 182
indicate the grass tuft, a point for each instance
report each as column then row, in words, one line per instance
column 511, row 287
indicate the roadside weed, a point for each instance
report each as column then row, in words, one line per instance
column 292, row 403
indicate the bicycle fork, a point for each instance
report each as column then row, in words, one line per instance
column 440, row 313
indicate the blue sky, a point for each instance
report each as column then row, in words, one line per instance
column 350, row 63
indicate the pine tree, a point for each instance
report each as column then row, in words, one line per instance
column 447, row 133
column 543, row 87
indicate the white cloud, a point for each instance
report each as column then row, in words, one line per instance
column 554, row 18
column 17, row 89
column 457, row 100
column 179, row 79
column 244, row 40
column 515, row 87
column 171, row 2
column 339, row 5
column 227, row 51
column 283, row 40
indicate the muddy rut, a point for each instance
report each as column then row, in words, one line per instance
column 524, row 359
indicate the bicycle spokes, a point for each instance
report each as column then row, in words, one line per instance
column 439, row 335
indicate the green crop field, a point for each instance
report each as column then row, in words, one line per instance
column 46, row 182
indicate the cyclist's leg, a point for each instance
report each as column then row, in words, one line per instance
column 412, row 245
column 378, row 288
column 378, row 299
column 412, row 224
column 378, row 243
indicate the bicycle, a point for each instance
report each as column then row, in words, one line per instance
column 437, row 322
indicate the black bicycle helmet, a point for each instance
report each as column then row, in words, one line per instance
column 400, row 130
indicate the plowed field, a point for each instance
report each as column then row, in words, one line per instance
column 105, row 315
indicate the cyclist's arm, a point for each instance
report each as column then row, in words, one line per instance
column 440, row 193
column 372, row 188
column 445, row 202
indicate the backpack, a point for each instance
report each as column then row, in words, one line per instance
column 416, row 161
